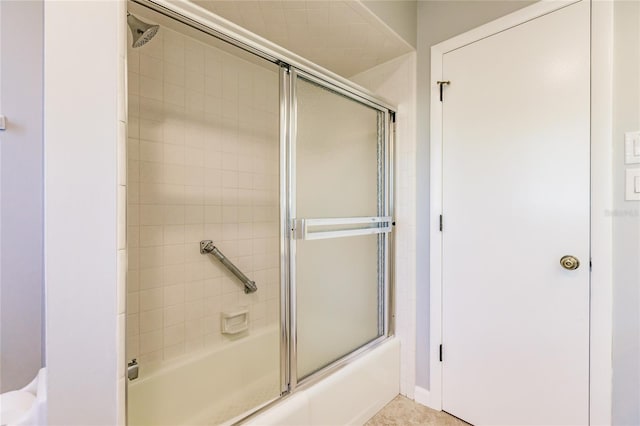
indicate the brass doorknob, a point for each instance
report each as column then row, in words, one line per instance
column 569, row 262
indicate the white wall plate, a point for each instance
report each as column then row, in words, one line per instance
column 632, row 191
column 632, row 148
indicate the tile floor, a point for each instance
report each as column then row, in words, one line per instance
column 404, row 412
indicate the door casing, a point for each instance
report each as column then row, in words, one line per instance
column 600, row 367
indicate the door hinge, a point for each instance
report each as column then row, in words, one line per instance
column 440, row 353
column 393, row 117
column 440, row 223
column 590, row 264
column 442, row 84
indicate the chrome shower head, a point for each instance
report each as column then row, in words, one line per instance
column 141, row 31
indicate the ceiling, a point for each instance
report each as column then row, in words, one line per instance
column 342, row 36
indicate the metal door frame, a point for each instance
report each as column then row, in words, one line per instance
column 289, row 75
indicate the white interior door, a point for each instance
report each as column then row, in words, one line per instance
column 516, row 154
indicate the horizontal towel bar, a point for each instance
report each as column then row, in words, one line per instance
column 304, row 227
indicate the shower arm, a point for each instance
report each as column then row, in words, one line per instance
column 207, row 247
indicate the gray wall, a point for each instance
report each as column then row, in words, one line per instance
column 626, row 219
column 21, row 192
column 437, row 21
column 399, row 15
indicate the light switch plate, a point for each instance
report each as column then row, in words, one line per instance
column 632, row 147
column 632, row 186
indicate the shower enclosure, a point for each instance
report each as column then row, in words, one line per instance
column 259, row 224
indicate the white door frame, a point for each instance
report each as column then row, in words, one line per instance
column 600, row 366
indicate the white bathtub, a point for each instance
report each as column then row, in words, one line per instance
column 349, row 396
column 219, row 385
column 210, row 387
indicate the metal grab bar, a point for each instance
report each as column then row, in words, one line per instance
column 207, row 247
column 302, row 227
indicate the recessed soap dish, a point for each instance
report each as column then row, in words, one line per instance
column 234, row 322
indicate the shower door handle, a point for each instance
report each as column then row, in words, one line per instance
column 317, row 229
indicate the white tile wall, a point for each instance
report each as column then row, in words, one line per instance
column 121, row 151
column 202, row 151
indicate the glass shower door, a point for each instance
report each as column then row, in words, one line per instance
column 203, row 147
column 341, row 221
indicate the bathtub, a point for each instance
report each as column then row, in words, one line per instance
column 210, row 387
column 349, row 396
column 196, row 391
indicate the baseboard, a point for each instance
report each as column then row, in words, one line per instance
column 422, row 397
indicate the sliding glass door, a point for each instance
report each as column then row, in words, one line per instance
column 203, row 233
column 258, row 225
column 340, row 221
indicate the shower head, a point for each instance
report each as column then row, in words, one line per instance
column 141, row 31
